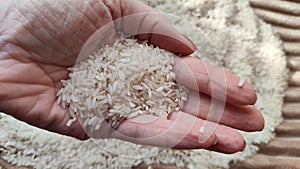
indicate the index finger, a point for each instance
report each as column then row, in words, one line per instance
column 201, row 76
column 139, row 19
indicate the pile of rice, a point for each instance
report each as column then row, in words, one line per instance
column 248, row 48
column 122, row 81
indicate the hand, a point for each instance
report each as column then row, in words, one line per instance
column 40, row 39
column 203, row 81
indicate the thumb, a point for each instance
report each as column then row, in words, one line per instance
column 136, row 18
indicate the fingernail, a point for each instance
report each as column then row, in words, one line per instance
column 191, row 43
column 203, row 135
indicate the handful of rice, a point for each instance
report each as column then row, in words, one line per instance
column 121, row 82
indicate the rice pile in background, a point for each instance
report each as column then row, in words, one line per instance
column 248, row 48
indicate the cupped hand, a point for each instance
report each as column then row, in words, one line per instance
column 39, row 40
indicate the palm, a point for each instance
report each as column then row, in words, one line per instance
column 33, row 95
column 37, row 54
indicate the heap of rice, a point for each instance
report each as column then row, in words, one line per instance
column 248, row 48
column 122, row 81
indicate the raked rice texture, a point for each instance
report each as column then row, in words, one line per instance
column 122, row 81
column 248, row 48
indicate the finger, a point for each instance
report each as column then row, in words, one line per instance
column 216, row 82
column 229, row 141
column 139, row 19
column 244, row 118
column 182, row 133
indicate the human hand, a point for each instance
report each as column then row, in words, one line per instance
column 40, row 39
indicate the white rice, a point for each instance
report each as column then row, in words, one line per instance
column 241, row 82
column 201, row 130
column 110, row 86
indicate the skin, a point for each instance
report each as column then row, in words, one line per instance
column 39, row 40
